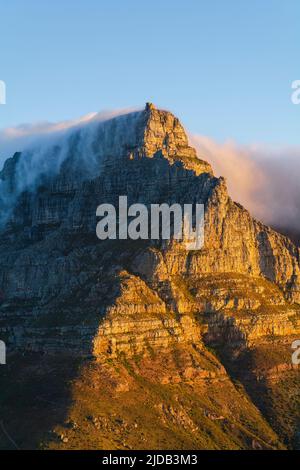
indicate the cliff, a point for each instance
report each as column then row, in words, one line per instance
column 63, row 291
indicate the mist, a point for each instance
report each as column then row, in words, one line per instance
column 46, row 146
column 29, row 135
column 264, row 179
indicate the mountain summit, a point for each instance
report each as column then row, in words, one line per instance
column 148, row 322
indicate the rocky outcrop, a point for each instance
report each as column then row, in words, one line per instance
column 50, row 255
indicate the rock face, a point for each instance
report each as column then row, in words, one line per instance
column 50, row 253
column 65, row 291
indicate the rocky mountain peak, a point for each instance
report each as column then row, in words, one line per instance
column 161, row 132
column 124, row 309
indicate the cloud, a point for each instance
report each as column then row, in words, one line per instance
column 24, row 136
column 46, row 146
column 264, row 179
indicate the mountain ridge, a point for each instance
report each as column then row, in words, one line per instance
column 120, row 303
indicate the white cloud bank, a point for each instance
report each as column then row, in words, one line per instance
column 24, row 136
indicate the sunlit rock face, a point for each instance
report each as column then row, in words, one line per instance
column 146, row 311
column 60, row 285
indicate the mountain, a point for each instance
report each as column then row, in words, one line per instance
column 141, row 343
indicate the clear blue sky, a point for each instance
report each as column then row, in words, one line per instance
column 224, row 67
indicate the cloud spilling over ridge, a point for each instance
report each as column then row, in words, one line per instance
column 45, row 146
column 82, row 144
column 25, row 136
column 264, row 179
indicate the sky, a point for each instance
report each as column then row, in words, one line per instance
column 224, row 67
